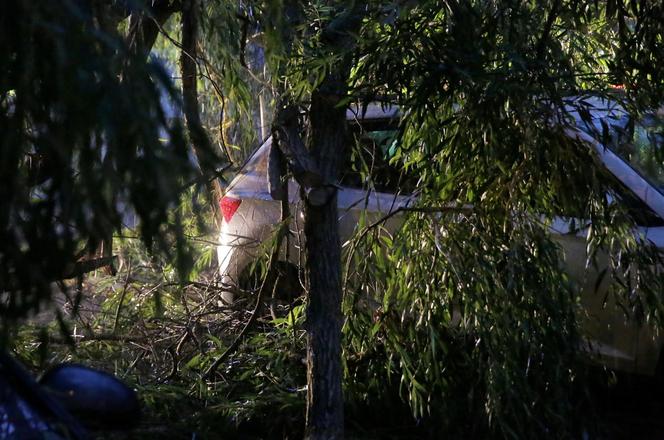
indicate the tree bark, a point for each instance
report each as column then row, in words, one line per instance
column 325, row 418
column 144, row 25
column 188, row 68
column 316, row 169
column 325, row 411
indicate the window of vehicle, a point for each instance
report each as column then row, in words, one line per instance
column 636, row 208
column 256, row 163
column 640, row 143
column 642, row 146
column 370, row 162
column 622, row 196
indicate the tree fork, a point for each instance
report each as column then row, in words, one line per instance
column 144, row 25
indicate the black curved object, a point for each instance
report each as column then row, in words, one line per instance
column 98, row 399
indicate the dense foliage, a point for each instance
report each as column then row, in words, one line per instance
column 466, row 313
column 484, row 89
column 86, row 144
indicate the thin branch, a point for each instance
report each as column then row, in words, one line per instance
column 243, row 39
column 122, row 298
column 52, row 339
column 305, row 170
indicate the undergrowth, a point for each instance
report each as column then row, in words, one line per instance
column 405, row 376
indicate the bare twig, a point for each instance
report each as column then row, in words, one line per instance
column 97, row 338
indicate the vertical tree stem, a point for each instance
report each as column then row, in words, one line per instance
column 188, row 67
column 325, row 418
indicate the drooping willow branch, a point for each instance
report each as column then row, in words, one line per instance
column 451, row 209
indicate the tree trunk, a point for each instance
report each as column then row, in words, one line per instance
column 144, row 26
column 188, row 67
column 316, row 169
column 325, row 419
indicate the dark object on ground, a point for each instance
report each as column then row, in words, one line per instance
column 98, row 399
column 67, row 397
